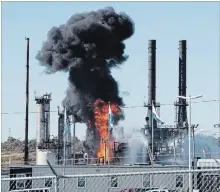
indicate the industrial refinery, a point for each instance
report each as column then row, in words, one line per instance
column 92, row 97
column 86, row 48
column 156, row 147
column 163, row 141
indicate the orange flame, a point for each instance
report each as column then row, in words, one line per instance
column 101, row 111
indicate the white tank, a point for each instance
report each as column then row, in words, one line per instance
column 43, row 156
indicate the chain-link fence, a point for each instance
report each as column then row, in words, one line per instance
column 172, row 181
column 26, row 184
column 203, row 180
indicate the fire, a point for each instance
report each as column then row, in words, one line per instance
column 101, row 111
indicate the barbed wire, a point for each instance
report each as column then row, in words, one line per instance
column 124, row 107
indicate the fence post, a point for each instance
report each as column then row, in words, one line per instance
column 56, row 180
column 56, row 184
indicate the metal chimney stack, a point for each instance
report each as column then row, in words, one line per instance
column 182, row 113
column 151, row 78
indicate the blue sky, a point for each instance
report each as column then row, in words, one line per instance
column 167, row 22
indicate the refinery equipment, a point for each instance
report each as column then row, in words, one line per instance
column 64, row 136
column 46, row 147
column 158, row 137
column 161, row 136
column 151, row 129
column 67, row 136
column 165, row 141
column 60, row 134
column 181, row 104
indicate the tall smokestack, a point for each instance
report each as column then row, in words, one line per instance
column 27, row 106
column 151, row 78
column 182, row 113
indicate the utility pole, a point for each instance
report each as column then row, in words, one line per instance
column 190, row 98
column 27, row 106
column 194, row 142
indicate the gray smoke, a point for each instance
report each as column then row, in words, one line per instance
column 87, row 47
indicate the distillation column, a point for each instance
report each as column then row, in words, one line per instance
column 60, row 135
column 64, row 137
column 43, row 128
column 68, row 138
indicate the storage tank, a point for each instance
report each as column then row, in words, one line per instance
column 43, row 156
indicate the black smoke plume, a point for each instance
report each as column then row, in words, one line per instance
column 87, row 47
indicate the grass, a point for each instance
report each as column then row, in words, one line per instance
column 14, row 157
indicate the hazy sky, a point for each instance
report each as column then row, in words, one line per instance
column 198, row 23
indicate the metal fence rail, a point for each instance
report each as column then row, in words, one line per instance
column 128, row 159
column 203, row 180
column 26, row 184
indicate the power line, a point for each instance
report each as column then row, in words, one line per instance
column 125, row 107
column 16, row 113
